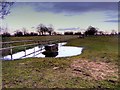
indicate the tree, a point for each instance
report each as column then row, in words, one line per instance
column 113, row 32
column 45, row 30
column 100, row 32
column 5, row 8
column 42, row 29
column 50, row 29
column 18, row 33
column 90, row 31
column 1, row 29
column 33, row 34
column 6, row 34
column 54, row 33
column 25, row 33
column 78, row 33
column 68, row 33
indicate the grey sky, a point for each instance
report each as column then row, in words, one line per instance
column 63, row 15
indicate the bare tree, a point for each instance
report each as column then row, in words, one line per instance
column 1, row 29
column 5, row 8
column 18, row 33
column 39, row 29
column 100, row 32
column 24, row 30
column 42, row 29
column 45, row 30
column 50, row 29
column 113, row 32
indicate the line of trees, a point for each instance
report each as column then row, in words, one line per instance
column 42, row 30
column 92, row 31
column 72, row 33
column 20, row 33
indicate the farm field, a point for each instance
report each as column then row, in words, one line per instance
column 42, row 38
column 96, row 67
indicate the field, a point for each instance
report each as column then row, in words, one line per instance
column 96, row 67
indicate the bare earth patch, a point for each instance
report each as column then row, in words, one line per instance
column 95, row 70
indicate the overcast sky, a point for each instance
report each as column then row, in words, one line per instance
column 64, row 16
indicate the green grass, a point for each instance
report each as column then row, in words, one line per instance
column 98, row 48
column 40, row 72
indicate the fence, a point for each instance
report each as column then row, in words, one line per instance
column 25, row 45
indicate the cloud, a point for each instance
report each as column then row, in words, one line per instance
column 75, row 7
column 69, row 9
column 113, row 21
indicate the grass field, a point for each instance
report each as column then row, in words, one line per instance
column 96, row 67
column 42, row 38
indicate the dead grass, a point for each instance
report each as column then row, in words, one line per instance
column 95, row 70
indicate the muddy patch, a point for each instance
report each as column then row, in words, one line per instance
column 95, row 70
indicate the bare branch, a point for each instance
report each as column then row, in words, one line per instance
column 5, row 8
